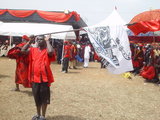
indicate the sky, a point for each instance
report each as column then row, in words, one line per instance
column 91, row 11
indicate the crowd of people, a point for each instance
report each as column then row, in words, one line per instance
column 4, row 47
column 70, row 52
column 146, row 61
column 6, row 43
column 33, row 57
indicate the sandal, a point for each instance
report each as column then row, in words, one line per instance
column 16, row 89
column 36, row 117
column 42, row 118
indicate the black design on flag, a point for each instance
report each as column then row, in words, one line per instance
column 110, row 40
column 106, row 44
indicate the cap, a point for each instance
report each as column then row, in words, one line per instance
column 25, row 37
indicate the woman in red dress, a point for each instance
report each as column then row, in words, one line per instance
column 21, row 72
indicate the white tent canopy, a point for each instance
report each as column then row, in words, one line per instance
column 113, row 19
column 110, row 40
column 20, row 29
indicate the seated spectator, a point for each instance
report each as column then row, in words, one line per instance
column 148, row 72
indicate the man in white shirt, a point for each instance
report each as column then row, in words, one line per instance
column 87, row 51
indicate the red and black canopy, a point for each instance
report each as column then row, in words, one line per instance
column 38, row 16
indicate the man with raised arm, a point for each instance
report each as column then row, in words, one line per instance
column 40, row 74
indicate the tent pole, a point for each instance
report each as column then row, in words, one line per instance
column 10, row 42
column 62, row 31
column 62, row 54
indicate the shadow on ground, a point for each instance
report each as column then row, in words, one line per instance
column 64, row 117
column 4, row 76
column 29, row 93
column 92, row 67
column 70, row 72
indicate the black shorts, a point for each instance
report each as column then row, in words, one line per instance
column 41, row 93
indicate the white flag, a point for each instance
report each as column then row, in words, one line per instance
column 112, row 45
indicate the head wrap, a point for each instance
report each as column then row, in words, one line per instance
column 25, row 37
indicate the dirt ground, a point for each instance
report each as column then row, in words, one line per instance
column 82, row 94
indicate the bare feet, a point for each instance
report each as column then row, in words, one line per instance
column 16, row 89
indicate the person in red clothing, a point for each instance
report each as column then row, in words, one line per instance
column 137, row 59
column 144, row 68
column 40, row 74
column 157, row 68
column 21, row 73
column 66, row 57
column 73, row 54
column 148, row 72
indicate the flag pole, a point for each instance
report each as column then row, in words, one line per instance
column 74, row 30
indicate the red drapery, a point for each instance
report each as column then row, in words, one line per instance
column 145, row 22
column 50, row 16
column 2, row 11
column 22, row 13
column 145, row 26
column 144, row 39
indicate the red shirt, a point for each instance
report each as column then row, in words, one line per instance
column 149, row 73
column 73, row 52
column 40, row 66
column 67, row 51
column 96, row 57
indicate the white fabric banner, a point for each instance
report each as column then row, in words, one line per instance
column 112, row 45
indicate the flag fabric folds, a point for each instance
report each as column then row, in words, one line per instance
column 112, row 45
